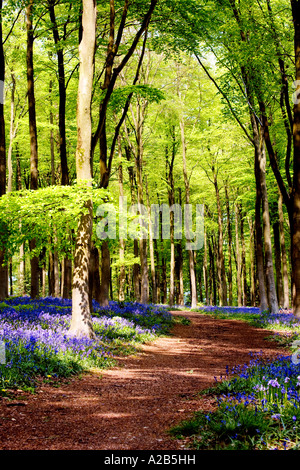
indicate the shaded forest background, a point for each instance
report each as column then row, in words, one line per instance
column 192, row 103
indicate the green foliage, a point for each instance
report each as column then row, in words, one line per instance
column 48, row 215
column 147, row 92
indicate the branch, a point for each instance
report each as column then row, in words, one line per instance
column 12, row 27
column 226, row 98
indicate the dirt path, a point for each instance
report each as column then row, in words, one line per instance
column 133, row 405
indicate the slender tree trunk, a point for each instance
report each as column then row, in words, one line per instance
column 55, row 261
column 212, row 273
column 295, row 219
column 170, row 179
column 238, row 258
column 3, row 266
column 270, row 279
column 180, row 264
column 34, row 260
column 259, row 237
column 279, row 281
column 180, row 274
column 187, row 198
column 62, row 96
column 229, row 231
column 286, row 296
column 67, row 278
column 252, row 264
column 122, row 273
column 158, row 273
column 21, row 271
column 164, row 281
column 21, row 268
column 105, row 274
column 221, row 263
column 151, row 250
column 140, row 198
column 12, row 135
column 81, row 323
column 52, row 153
column 243, row 259
column 205, row 270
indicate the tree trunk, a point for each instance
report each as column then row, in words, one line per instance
column 3, row 267
column 105, row 274
column 243, row 265
column 187, row 198
column 12, row 135
column 170, row 179
column 180, row 265
column 213, row 289
column 67, row 278
column 269, row 269
column 205, row 271
column 62, row 96
column 122, row 273
column 238, row 258
column 229, row 274
column 252, row 264
column 140, row 198
column 151, row 250
column 259, row 237
column 52, row 153
column 286, row 296
column 221, row 263
column 295, row 220
column 81, row 323
column 180, row 274
column 34, row 259
column 279, row 282
column 158, row 273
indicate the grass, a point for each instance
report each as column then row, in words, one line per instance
column 257, row 406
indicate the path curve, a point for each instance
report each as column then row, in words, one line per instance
column 131, row 407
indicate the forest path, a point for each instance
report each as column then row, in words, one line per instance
column 132, row 406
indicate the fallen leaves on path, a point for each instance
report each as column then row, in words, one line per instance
column 132, row 406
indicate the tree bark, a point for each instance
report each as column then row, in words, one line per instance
column 52, row 153
column 259, row 235
column 243, row 259
column 12, row 135
column 187, row 199
column 62, row 95
column 238, row 258
column 213, row 287
column 221, row 263
column 205, row 271
column 252, row 264
column 285, row 275
column 180, row 264
column 139, row 121
column 3, row 266
column 269, row 269
column 295, row 219
column 279, row 281
column 122, row 272
column 34, row 260
column 151, row 250
column 81, row 323
column 105, row 274
column 171, row 195
column 229, row 232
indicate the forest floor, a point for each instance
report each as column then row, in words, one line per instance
column 133, row 405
